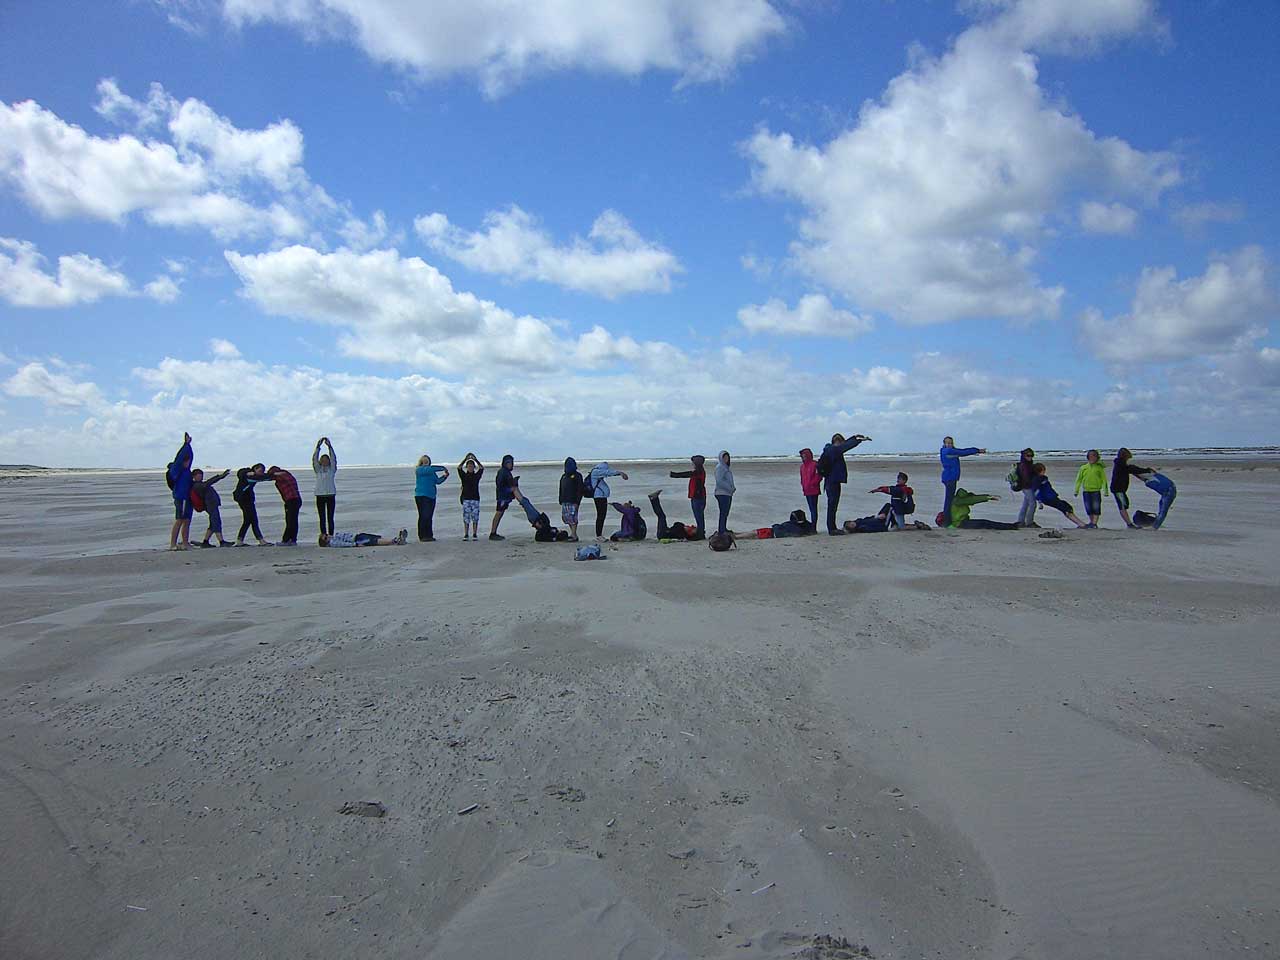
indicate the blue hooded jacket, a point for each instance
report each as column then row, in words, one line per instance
column 180, row 472
column 950, row 457
column 833, row 456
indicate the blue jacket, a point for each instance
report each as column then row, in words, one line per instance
column 1159, row 483
column 429, row 477
column 950, row 457
column 1044, row 490
column 180, row 472
column 837, row 469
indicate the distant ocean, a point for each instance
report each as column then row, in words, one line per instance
column 1178, row 453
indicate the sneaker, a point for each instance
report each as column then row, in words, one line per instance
column 835, row 533
column 1090, row 526
column 466, row 536
column 428, row 539
column 496, row 536
column 205, row 544
column 228, row 543
column 655, row 494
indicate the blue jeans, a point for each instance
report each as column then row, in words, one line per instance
column 530, row 510
column 812, row 500
column 723, row 501
column 1027, row 513
column 1093, row 503
column 833, row 504
column 1166, row 501
column 949, row 488
column 699, row 505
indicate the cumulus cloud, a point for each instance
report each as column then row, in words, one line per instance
column 212, row 175
column 932, row 206
column 502, row 43
column 37, row 381
column 612, row 261
column 1222, row 311
column 397, row 309
column 24, row 281
column 813, row 315
column 1098, row 217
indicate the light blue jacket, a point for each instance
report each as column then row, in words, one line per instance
column 429, row 477
column 596, row 485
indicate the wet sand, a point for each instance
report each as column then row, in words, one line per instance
column 943, row 744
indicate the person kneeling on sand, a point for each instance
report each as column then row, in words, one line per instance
column 671, row 532
column 340, row 539
column 633, row 525
column 901, row 502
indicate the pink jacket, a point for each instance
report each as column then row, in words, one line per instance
column 810, row 482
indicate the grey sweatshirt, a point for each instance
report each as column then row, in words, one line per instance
column 724, row 477
column 326, row 477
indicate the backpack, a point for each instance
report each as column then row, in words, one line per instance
column 720, row 542
column 588, row 488
column 1014, row 479
column 197, row 499
column 908, row 504
column 168, row 475
column 824, row 464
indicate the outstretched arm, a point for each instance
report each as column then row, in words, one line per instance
column 681, row 474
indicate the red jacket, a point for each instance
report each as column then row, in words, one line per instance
column 810, row 480
column 287, row 485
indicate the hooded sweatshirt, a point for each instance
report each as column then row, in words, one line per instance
column 180, row 472
column 961, row 503
column 571, row 482
column 837, row 469
column 1092, row 477
column 697, row 478
column 629, row 517
column 596, row 485
column 326, row 477
column 810, row 480
column 1121, row 471
column 724, row 476
column 950, row 457
column 504, row 482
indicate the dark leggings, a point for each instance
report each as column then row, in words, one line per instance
column 975, row 524
column 250, row 512
column 812, row 500
column 325, row 506
column 602, row 511
column 724, row 502
column 426, row 512
column 833, row 505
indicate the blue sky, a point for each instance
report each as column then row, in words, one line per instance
column 634, row 230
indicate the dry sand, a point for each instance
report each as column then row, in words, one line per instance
column 946, row 744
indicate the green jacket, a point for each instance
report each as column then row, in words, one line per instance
column 962, row 501
column 1091, row 476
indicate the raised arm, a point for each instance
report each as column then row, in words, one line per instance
column 210, row 481
column 315, row 455
column 681, row 474
column 333, row 454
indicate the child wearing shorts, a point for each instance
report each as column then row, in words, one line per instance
column 572, row 487
column 1092, row 477
column 470, row 471
column 1048, row 497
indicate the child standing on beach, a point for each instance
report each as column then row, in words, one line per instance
column 325, row 466
column 598, row 486
column 571, row 488
column 505, row 484
column 810, row 483
column 179, row 478
column 1092, row 477
column 205, row 496
column 470, row 470
column 1048, row 497
column 1121, row 471
column 287, row 486
column 697, row 491
column 725, row 489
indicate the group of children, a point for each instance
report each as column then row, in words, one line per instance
column 827, row 473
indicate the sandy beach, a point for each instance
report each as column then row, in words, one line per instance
column 942, row 744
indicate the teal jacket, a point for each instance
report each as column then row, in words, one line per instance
column 429, row 478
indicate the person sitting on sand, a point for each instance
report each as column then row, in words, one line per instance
column 1048, row 497
column 668, row 532
column 962, row 500
column 901, row 501
column 205, row 496
column 178, row 477
column 1168, row 490
column 362, row 539
column 633, row 525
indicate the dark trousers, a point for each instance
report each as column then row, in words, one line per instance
column 812, row 500
column 664, row 532
column 325, row 507
column 250, row 513
column 724, row 502
column 699, row 505
column 949, row 492
column 602, row 511
column 833, row 504
column 291, row 510
column 975, row 524
column 426, row 512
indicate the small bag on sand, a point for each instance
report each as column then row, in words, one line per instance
column 589, row 552
column 720, row 542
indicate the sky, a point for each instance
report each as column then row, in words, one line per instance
column 634, row 229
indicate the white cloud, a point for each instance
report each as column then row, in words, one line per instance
column 613, row 261
column 502, row 43
column 367, row 234
column 1098, row 217
column 80, row 278
column 931, row 208
column 1193, row 216
column 213, row 175
column 1221, row 311
column 224, row 349
column 813, row 315
column 36, row 381
column 163, row 289
column 1068, row 25
column 402, row 310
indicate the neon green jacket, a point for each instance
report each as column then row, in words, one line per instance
column 1091, row 476
column 962, row 501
